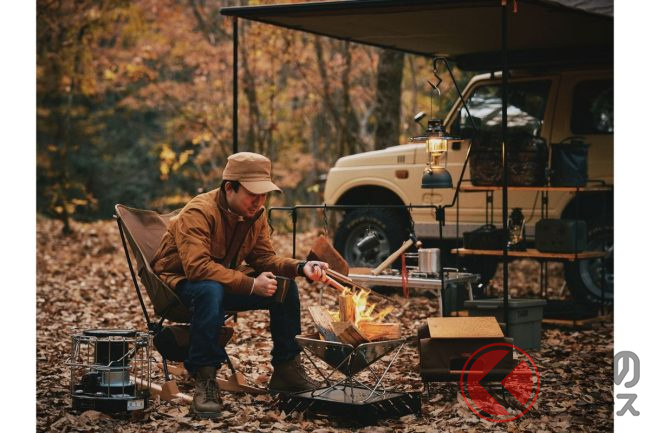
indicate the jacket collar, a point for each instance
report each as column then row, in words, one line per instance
column 222, row 204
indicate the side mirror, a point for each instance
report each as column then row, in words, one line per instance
column 418, row 118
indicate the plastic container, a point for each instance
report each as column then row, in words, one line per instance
column 525, row 318
column 453, row 297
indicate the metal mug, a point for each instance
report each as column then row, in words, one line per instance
column 429, row 260
column 283, row 288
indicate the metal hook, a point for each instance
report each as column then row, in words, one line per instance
column 435, row 86
column 435, row 74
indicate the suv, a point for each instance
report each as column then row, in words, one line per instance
column 553, row 106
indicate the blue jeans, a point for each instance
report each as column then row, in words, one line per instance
column 207, row 303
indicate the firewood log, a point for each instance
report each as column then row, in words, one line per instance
column 323, row 322
column 323, row 250
column 347, row 310
column 346, row 332
column 375, row 331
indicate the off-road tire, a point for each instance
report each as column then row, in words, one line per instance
column 584, row 277
column 391, row 229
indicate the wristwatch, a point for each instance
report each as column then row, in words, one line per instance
column 300, row 270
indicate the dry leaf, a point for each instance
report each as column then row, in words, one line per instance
column 83, row 282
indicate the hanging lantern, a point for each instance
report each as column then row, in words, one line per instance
column 437, row 144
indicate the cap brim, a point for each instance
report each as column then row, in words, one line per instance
column 260, row 186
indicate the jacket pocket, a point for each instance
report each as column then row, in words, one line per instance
column 170, row 263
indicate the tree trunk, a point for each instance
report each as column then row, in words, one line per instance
column 351, row 139
column 252, row 141
column 327, row 96
column 412, row 129
column 389, row 93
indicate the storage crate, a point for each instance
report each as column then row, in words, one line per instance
column 525, row 318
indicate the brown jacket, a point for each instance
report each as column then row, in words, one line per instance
column 196, row 246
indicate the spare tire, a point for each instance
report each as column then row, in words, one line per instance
column 585, row 277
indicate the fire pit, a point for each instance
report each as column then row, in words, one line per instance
column 350, row 397
column 349, row 341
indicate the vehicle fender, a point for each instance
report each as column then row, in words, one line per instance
column 364, row 182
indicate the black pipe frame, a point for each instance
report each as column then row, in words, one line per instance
column 440, row 216
column 504, row 138
column 325, row 207
column 235, row 79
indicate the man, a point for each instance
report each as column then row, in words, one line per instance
column 198, row 257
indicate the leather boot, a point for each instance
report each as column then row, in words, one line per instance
column 207, row 401
column 290, row 376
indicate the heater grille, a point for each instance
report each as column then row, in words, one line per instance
column 110, row 370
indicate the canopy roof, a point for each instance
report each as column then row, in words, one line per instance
column 542, row 32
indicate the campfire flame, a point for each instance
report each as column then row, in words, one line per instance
column 364, row 310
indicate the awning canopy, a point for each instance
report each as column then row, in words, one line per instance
column 541, row 33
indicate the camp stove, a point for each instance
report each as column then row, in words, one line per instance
column 110, row 371
column 350, row 397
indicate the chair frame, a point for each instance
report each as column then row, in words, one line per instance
column 155, row 327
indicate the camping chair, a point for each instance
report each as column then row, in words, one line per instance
column 143, row 231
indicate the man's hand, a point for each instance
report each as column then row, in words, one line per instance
column 315, row 270
column 265, row 284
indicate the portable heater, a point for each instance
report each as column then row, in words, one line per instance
column 110, row 371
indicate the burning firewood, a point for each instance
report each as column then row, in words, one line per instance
column 347, row 308
column 375, row 331
column 346, row 332
column 356, row 321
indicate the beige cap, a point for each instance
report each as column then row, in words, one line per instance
column 252, row 170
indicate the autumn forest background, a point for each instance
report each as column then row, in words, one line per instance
column 134, row 103
column 134, row 106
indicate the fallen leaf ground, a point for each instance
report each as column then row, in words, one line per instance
column 83, row 282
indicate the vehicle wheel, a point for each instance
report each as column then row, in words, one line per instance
column 584, row 277
column 390, row 228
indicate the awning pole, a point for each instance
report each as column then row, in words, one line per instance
column 235, row 90
column 504, row 153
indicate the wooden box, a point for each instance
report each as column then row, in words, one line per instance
column 446, row 343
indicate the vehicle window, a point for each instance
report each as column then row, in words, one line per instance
column 526, row 105
column 593, row 107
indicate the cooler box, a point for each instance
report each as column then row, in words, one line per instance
column 525, row 318
column 561, row 236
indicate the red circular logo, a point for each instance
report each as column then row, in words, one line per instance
column 517, row 375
